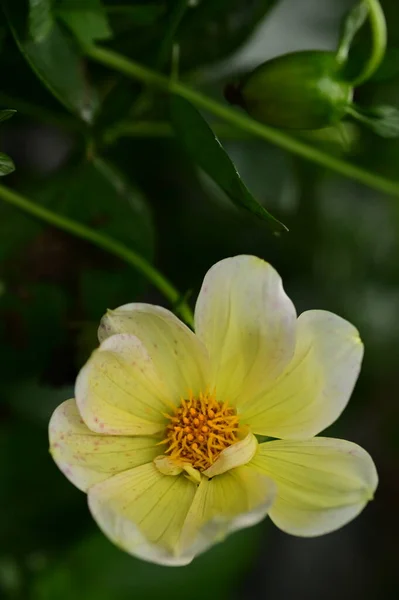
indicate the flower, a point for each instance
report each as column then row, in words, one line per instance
column 162, row 434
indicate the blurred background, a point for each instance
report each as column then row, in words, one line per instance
column 341, row 254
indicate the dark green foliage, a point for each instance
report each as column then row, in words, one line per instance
column 77, row 151
column 213, row 30
column 6, row 164
column 86, row 19
column 55, row 60
column 207, row 151
column 383, row 120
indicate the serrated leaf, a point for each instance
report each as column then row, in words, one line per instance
column 6, row 114
column 86, row 19
column 55, row 60
column 6, row 165
column 41, row 19
column 206, row 150
column 352, row 22
column 383, row 120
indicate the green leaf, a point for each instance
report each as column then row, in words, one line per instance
column 56, row 61
column 212, row 30
column 206, row 150
column 383, row 120
column 353, row 21
column 41, row 19
column 86, row 19
column 6, row 114
column 6, row 165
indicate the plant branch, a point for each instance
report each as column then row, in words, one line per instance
column 163, row 129
column 242, row 121
column 379, row 42
column 106, row 243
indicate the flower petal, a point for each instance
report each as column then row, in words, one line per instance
column 316, row 386
column 143, row 511
column 238, row 454
column 237, row 499
column 87, row 458
column 167, row 466
column 322, row 484
column 247, row 323
column 118, row 391
column 178, row 356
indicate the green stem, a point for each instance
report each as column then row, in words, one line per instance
column 379, row 42
column 242, row 121
column 164, row 53
column 351, row 110
column 175, row 19
column 104, row 242
column 163, row 129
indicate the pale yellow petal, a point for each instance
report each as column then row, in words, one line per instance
column 87, row 458
column 316, row 386
column 322, row 484
column 167, row 466
column 118, row 391
column 247, row 323
column 234, row 456
column 180, row 359
column 237, row 499
column 143, row 511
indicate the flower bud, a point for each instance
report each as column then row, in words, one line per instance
column 301, row 90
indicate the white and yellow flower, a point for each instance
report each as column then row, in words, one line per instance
column 162, row 433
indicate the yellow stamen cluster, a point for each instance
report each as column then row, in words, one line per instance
column 199, row 430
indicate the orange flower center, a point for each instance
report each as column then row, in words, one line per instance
column 199, row 430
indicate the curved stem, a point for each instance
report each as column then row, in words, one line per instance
column 379, row 42
column 242, row 121
column 106, row 243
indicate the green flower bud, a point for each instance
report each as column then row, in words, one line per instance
column 301, row 90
